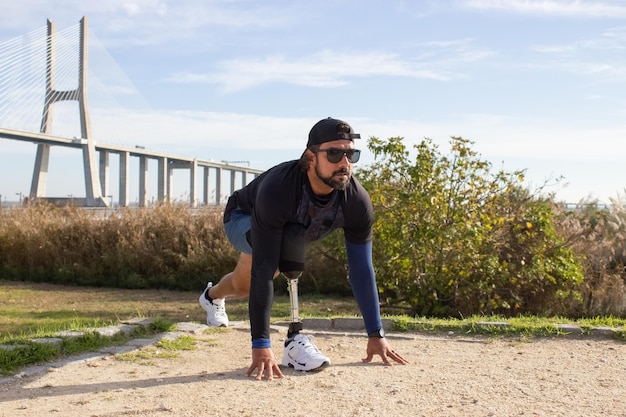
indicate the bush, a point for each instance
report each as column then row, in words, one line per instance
column 598, row 235
column 451, row 238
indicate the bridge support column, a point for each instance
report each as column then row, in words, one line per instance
column 40, row 172
column 218, row 186
column 170, row 182
column 193, row 168
column 104, row 172
column 124, row 184
column 233, row 179
column 206, row 190
column 92, row 182
column 143, row 181
column 162, row 180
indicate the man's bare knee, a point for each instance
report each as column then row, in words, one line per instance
column 241, row 275
column 241, row 284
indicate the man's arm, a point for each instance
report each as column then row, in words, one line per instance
column 363, row 282
column 266, row 253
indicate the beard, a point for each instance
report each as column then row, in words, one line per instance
column 331, row 181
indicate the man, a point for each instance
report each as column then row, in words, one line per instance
column 319, row 193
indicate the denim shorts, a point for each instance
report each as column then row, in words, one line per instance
column 237, row 228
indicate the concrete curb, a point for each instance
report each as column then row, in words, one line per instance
column 356, row 324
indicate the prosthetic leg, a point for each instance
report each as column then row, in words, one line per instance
column 296, row 323
column 299, row 352
column 291, row 266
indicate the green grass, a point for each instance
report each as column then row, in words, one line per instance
column 23, row 350
column 32, row 310
column 180, row 343
column 144, row 356
column 524, row 327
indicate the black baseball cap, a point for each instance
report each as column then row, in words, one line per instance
column 330, row 129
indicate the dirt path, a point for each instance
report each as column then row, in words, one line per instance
column 448, row 376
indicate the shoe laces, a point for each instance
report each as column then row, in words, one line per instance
column 220, row 309
column 307, row 344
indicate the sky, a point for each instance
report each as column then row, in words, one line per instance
column 538, row 85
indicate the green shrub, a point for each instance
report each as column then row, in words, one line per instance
column 452, row 239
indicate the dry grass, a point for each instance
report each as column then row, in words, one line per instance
column 167, row 246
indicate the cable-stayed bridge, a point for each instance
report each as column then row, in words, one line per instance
column 43, row 78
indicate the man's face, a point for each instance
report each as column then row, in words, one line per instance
column 335, row 175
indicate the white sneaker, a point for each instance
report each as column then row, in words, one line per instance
column 301, row 354
column 215, row 311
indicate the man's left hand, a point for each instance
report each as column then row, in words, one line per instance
column 379, row 346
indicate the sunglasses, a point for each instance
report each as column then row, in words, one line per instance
column 335, row 155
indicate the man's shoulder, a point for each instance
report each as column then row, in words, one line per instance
column 355, row 191
column 284, row 168
column 358, row 212
column 284, row 177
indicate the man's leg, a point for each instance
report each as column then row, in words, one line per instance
column 236, row 283
column 299, row 351
column 295, row 325
column 233, row 284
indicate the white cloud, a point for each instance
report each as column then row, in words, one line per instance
column 613, row 39
column 495, row 135
column 325, row 69
column 599, row 57
column 335, row 68
column 569, row 8
column 162, row 130
column 141, row 22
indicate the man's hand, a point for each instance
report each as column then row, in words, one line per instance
column 263, row 361
column 379, row 346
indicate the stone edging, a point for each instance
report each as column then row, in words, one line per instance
column 349, row 325
column 356, row 324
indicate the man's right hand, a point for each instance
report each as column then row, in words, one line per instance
column 264, row 362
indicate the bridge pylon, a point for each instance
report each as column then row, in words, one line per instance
column 93, row 190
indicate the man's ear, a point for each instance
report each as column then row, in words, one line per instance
column 311, row 157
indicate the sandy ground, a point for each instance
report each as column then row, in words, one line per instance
column 449, row 375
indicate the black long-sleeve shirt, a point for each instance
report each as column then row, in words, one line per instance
column 283, row 195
